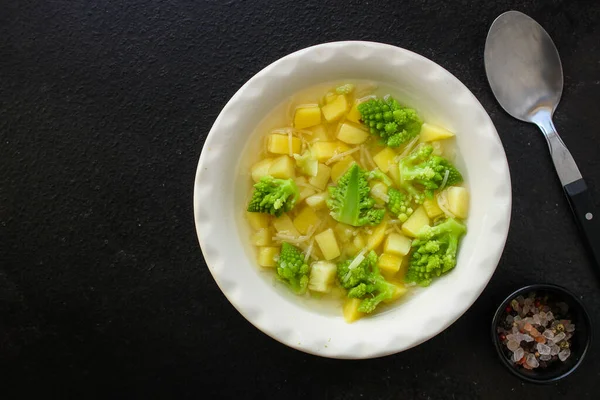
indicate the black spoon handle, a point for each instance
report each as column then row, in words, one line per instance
column 587, row 215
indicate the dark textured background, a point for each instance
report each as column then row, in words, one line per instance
column 104, row 107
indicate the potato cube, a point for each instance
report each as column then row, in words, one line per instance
column 339, row 168
column 317, row 201
column 429, row 133
column 328, row 244
column 350, row 310
column 262, row 237
column 415, row 222
column 458, row 201
column 397, row 244
column 305, row 220
column 323, row 151
column 399, row 291
column 283, row 167
column 336, row 109
column 375, row 239
column 379, row 191
column 384, row 159
column 330, row 97
column 352, row 134
column 305, row 192
column 389, row 264
column 285, row 225
column 359, row 241
column 323, row 174
column 394, row 173
column 261, row 169
column 280, row 144
column 354, row 115
column 319, row 134
column 258, row 220
column 322, row 276
column 344, row 232
column 305, row 117
column 431, row 208
column 266, row 256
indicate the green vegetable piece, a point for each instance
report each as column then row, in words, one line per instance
column 307, row 163
column 386, row 118
column 292, row 269
column 365, row 282
column 399, row 204
column 273, row 196
column 350, row 201
column 434, row 251
column 421, row 173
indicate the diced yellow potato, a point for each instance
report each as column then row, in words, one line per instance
column 306, row 219
column 323, row 174
column 258, row 220
column 429, row 133
column 305, row 193
column 344, row 232
column 323, row 151
column 384, row 159
column 399, row 291
column 330, row 97
column 328, row 244
column 322, row 276
column 431, row 208
column 354, row 115
column 334, row 110
column 339, row 168
column 394, row 173
column 317, row 201
column 285, row 225
column 266, row 256
column 389, row 264
column 415, row 222
column 262, row 237
column 458, row 201
column 305, row 117
column 351, row 312
column 397, row 244
column 319, row 134
column 352, row 134
column 279, row 144
column 375, row 239
column 283, row 167
column 261, row 169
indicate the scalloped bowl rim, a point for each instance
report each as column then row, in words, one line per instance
column 431, row 310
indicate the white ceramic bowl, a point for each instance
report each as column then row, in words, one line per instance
column 220, row 195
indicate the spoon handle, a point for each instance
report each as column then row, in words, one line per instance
column 586, row 214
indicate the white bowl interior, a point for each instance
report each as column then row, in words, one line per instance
column 221, row 193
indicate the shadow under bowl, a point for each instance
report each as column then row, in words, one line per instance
column 580, row 342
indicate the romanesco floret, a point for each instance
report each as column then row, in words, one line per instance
column 399, row 204
column 434, row 251
column 273, row 196
column 427, row 171
column 377, row 174
column 292, row 269
column 350, row 201
column 386, row 118
column 307, row 163
column 365, row 282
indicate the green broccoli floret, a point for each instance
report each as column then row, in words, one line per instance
column 350, row 201
column 434, row 251
column 345, row 89
column 427, row 171
column 386, row 118
column 273, row 196
column 365, row 281
column 379, row 175
column 399, row 204
column 307, row 163
column 292, row 269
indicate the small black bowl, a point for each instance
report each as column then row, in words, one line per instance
column 580, row 342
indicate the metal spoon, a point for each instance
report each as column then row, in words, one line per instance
column 525, row 73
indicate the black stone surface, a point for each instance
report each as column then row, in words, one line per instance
column 104, row 107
